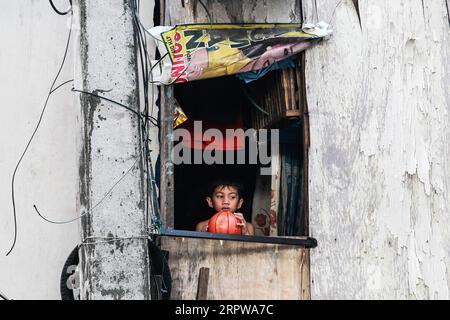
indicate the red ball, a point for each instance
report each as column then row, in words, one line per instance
column 224, row 222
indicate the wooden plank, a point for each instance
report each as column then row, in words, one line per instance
column 178, row 12
column 298, row 84
column 237, row 270
column 285, row 90
column 167, row 167
column 292, row 113
column 306, row 277
column 203, row 279
column 166, row 144
column 293, row 89
column 306, row 141
column 379, row 104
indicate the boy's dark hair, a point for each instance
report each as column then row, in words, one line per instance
column 225, row 183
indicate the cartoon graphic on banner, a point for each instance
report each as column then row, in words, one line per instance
column 201, row 51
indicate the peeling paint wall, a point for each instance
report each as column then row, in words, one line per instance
column 379, row 95
column 32, row 41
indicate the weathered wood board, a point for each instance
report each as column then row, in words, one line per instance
column 379, row 168
column 191, row 11
column 237, row 270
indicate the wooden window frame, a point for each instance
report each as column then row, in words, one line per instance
column 167, row 183
column 167, row 168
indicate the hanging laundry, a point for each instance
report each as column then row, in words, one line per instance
column 202, row 51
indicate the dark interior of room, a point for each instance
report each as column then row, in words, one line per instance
column 217, row 101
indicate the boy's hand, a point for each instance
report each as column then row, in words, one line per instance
column 242, row 223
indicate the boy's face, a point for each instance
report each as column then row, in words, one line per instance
column 225, row 198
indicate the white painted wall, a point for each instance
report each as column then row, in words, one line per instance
column 33, row 39
column 379, row 102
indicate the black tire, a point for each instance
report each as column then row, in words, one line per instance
column 158, row 262
column 160, row 266
column 68, row 269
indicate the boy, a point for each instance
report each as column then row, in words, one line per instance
column 227, row 196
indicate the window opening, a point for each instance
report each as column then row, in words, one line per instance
column 274, row 101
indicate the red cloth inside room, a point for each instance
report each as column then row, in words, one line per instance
column 199, row 141
column 217, row 103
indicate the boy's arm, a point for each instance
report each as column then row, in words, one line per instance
column 250, row 229
column 247, row 227
column 202, row 226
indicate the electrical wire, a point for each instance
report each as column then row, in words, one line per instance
column 143, row 116
column 110, row 239
column 144, row 59
column 145, row 29
column 55, row 222
column 158, row 63
column 147, row 78
column 107, row 99
column 33, row 134
column 206, row 9
column 156, row 223
column 61, row 13
column 448, row 13
column 187, row 66
column 123, row 176
column 253, row 102
column 334, row 11
column 145, row 63
column 96, row 205
column 3, row 296
column 115, row 102
column 142, row 43
column 62, row 84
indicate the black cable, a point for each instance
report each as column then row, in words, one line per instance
column 60, row 12
column 55, row 222
column 115, row 102
column 142, row 43
column 207, row 11
column 95, row 206
column 3, row 296
column 142, row 46
column 253, row 102
column 184, row 70
column 151, row 185
column 62, row 84
column 159, row 61
column 107, row 99
column 34, row 133
column 145, row 63
column 448, row 13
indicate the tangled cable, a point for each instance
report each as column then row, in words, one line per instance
column 52, row 89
